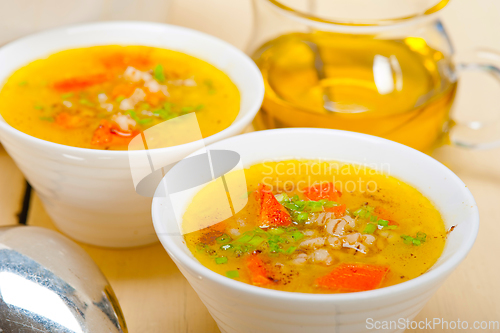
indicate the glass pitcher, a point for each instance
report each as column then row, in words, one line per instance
column 378, row 67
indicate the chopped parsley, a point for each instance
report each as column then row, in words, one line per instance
column 158, row 73
column 300, row 209
column 233, row 274
column 366, row 213
column 417, row 240
column 86, row 102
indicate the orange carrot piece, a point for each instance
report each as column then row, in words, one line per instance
column 154, row 98
column 120, row 140
column 62, row 119
column 272, row 213
column 382, row 213
column 259, row 274
column 66, row 120
column 109, row 133
column 322, row 191
column 125, row 90
column 102, row 135
column 79, row 83
column 353, row 277
column 339, row 211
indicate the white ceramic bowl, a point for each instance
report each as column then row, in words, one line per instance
column 239, row 307
column 89, row 194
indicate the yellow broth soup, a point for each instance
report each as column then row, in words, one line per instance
column 318, row 227
column 100, row 97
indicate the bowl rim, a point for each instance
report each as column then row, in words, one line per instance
column 235, row 126
column 442, row 271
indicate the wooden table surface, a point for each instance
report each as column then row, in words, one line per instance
column 154, row 295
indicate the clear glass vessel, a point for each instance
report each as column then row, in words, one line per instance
column 378, row 67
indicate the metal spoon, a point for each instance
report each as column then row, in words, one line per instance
column 50, row 284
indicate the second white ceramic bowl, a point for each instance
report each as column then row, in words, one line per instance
column 89, row 194
column 243, row 308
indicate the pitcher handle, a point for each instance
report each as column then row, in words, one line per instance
column 477, row 135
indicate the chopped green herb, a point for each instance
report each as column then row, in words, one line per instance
column 365, row 213
column 245, row 238
column 199, row 107
column 301, row 217
column 233, row 274
column 210, row 86
column 276, row 231
column 421, row 236
column 274, row 247
column 49, row 119
column 417, row 240
column 292, row 206
column 330, row 204
column 201, row 247
column 407, row 239
column 358, row 212
column 86, row 102
column 314, row 206
column 291, row 249
column 23, row 83
column 383, row 223
column 66, row 96
column 298, row 235
column 220, row 260
column 38, row 107
column 282, row 197
column 298, row 206
column 144, row 121
column 158, row 73
column 163, row 114
column 223, row 239
column 132, row 114
column 186, row 109
column 168, row 106
column 256, row 241
column 370, row 228
column 241, row 249
column 120, row 98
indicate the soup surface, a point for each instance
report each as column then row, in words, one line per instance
column 100, row 97
column 318, row 227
